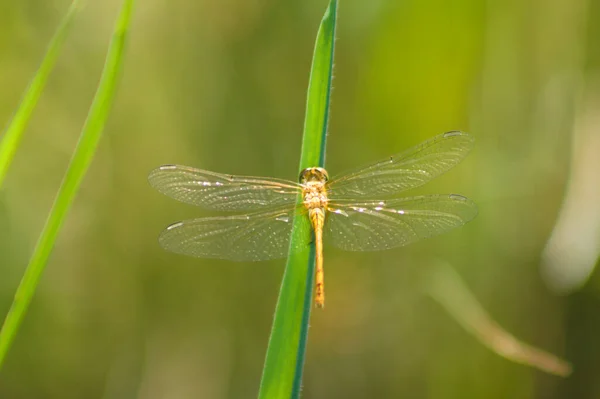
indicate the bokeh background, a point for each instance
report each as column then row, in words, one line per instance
column 221, row 85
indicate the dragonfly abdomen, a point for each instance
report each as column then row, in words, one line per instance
column 317, row 220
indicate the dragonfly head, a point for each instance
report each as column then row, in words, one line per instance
column 314, row 174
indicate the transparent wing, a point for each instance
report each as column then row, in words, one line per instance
column 406, row 170
column 253, row 237
column 376, row 225
column 222, row 192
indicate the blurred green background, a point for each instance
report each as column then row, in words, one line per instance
column 221, row 86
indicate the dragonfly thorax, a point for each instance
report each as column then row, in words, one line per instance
column 315, row 195
column 313, row 187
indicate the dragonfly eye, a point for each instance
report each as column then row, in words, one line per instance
column 313, row 174
column 322, row 174
column 302, row 178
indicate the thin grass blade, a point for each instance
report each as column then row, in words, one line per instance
column 77, row 168
column 9, row 143
column 282, row 373
column 447, row 288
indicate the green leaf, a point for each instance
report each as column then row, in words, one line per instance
column 82, row 157
column 282, row 373
column 14, row 132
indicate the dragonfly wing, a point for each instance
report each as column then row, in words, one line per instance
column 222, row 192
column 377, row 225
column 253, row 237
column 404, row 171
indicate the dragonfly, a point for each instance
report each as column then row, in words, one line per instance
column 356, row 211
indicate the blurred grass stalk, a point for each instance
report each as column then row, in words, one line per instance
column 14, row 132
column 82, row 157
column 573, row 249
column 446, row 287
column 284, row 363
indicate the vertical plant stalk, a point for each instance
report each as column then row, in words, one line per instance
column 82, row 157
column 14, row 132
column 284, row 363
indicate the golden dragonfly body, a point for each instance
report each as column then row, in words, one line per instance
column 356, row 211
column 314, row 198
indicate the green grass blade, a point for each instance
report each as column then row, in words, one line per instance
column 282, row 373
column 78, row 166
column 14, row 131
